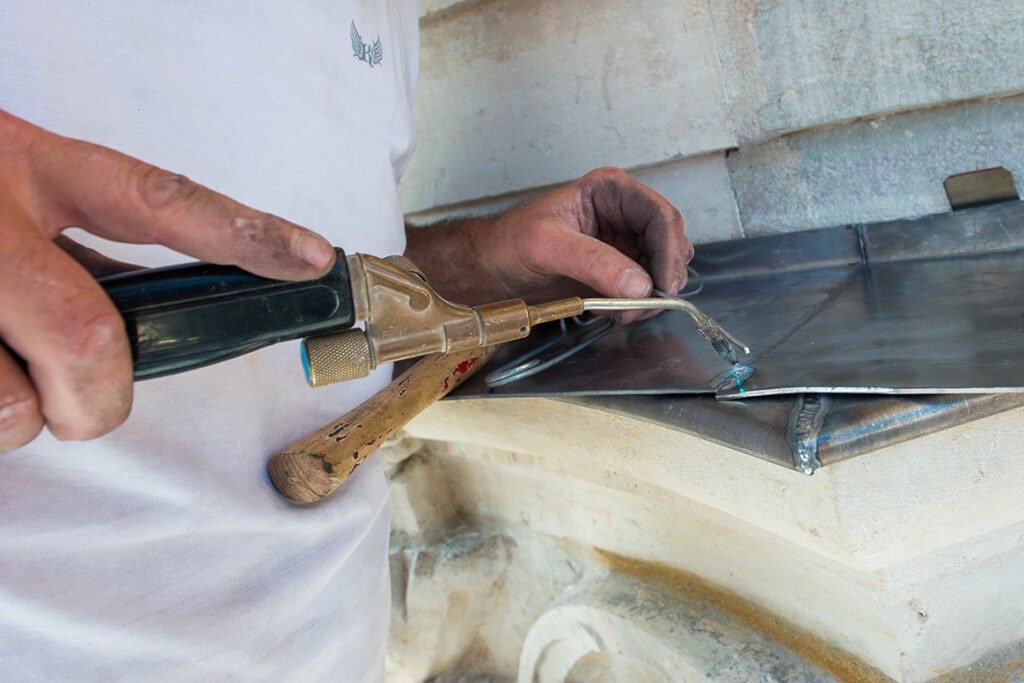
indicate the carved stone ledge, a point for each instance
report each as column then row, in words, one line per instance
column 905, row 560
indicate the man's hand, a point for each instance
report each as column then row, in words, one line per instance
column 74, row 375
column 605, row 233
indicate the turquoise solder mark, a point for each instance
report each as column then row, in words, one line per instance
column 733, row 378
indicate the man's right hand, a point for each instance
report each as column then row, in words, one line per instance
column 64, row 358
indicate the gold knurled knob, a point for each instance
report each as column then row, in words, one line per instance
column 337, row 357
column 405, row 264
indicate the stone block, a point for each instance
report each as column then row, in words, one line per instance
column 797, row 64
column 519, row 94
column 902, row 558
column 698, row 186
column 873, row 170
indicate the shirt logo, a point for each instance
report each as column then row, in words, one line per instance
column 371, row 54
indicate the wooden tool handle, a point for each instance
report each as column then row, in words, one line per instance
column 312, row 467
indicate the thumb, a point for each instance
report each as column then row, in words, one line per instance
column 598, row 265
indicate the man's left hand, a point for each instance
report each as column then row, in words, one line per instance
column 603, row 233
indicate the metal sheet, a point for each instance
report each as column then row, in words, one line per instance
column 852, row 424
column 665, row 354
column 822, row 316
column 924, row 327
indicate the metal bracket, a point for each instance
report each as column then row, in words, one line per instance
column 978, row 188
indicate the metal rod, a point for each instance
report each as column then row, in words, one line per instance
column 721, row 341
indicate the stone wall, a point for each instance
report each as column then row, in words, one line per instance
column 752, row 117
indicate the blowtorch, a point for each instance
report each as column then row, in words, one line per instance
column 187, row 316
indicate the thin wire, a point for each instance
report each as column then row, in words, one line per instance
column 524, row 365
column 531, row 363
column 692, row 275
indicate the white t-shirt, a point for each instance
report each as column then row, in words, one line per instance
column 161, row 551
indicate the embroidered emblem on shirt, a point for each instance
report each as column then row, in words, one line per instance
column 371, row 54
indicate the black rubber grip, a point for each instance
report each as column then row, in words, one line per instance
column 183, row 317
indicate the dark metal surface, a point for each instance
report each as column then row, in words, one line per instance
column 946, row 235
column 860, row 424
column 851, row 425
column 665, row 354
column 908, row 307
column 851, row 310
column 924, row 327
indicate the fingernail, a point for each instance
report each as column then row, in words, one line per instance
column 633, row 284
column 679, row 282
column 314, row 251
